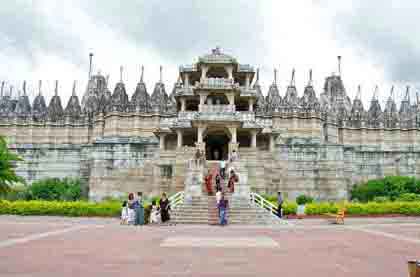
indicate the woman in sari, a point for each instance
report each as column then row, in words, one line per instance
column 131, row 205
column 164, row 208
column 232, row 179
column 209, row 183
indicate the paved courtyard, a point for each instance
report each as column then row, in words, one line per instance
column 56, row 246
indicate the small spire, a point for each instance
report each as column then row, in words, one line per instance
column 310, row 77
column 74, row 88
column 407, row 94
column 24, row 88
column 160, row 78
column 339, row 65
column 56, row 88
column 275, row 76
column 121, row 74
column 392, row 93
column 375, row 93
column 90, row 64
column 257, row 78
column 292, row 81
column 107, row 80
column 359, row 92
column 2, row 88
column 142, row 74
column 39, row 87
column 11, row 91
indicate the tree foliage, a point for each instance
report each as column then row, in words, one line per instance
column 7, row 172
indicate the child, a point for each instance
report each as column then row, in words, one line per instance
column 154, row 214
column 124, row 214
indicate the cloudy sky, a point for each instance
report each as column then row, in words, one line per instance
column 45, row 39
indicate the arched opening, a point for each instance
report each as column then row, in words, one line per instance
column 217, row 100
column 244, row 139
column 217, row 72
column 192, row 104
column 217, row 145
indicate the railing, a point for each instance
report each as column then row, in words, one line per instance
column 176, row 199
column 216, row 83
column 186, row 115
column 246, row 116
column 260, row 201
column 217, row 108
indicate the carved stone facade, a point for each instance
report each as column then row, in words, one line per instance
column 296, row 143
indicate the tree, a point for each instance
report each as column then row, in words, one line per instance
column 7, row 172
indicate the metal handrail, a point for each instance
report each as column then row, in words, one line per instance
column 176, row 199
column 263, row 203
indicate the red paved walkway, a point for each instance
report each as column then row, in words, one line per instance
column 34, row 246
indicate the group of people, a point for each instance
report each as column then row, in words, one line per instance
column 132, row 212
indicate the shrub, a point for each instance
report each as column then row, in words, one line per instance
column 391, row 187
column 381, row 199
column 408, row 197
column 304, row 199
column 67, row 189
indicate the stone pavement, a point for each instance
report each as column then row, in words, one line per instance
column 56, row 246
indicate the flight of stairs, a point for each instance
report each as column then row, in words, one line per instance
column 203, row 210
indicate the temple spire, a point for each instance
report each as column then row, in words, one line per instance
column 275, row 76
column 107, row 80
column 39, row 87
column 2, row 88
column 375, row 93
column 407, row 94
column 310, row 78
column 257, row 78
column 90, row 64
column 74, row 88
column 292, row 81
column 392, row 93
column 339, row 65
column 56, row 88
column 359, row 93
column 11, row 91
column 121, row 74
column 142, row 74
column 24, row 88
column 160, row 77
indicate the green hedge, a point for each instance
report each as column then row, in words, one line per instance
column 370, row 208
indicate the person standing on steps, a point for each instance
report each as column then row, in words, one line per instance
column 223, row 168
column 208, row 180
column 218, row 185
column 223, row 206
column 164, row 208
column 232, row 180
column 139, row 209
column 280, row 204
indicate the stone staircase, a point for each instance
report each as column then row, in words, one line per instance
column 203, row 210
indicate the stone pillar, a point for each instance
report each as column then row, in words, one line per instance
column 183, row 104
column 204, row 70
column 231, row 98
column 254, row 138
column 247, row 81
column 229, row 70
column 200, row 131
column 251, row 105
column 271, row 145
column 179, row 138
column 162, row 141
column 187, row 80
column 232, row 131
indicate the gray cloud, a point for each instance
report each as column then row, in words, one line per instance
column 182, row 29
column 385, row 32
column 27, row 33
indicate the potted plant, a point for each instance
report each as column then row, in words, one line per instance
column 302, row 200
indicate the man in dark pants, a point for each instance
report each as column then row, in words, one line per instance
column 279, row 203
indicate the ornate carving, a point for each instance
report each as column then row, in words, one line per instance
column 390, row 113
column 119, row 99
column 406, row 114
column 55, row 109
column 375, row 115
column 141, row 100
column 23, row 107
column 73, row 109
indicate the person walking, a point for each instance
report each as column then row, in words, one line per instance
column 223, row 169
column 208, row 180
column 218, row 185
column 164, row 208
column 131, row 212
column 280, row 204
column 223, row 206
column 232, row 180
column 139, row 209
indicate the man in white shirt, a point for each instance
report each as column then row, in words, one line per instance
column 218, row 196
column 222, row 168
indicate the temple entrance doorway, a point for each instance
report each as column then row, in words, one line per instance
column 217, row 146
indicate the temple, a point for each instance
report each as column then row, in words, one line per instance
column 296, row 143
